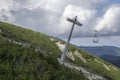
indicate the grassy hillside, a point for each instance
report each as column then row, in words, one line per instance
column 24, row 62
column 26, row 54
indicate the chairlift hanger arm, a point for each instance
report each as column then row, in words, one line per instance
column 95, row 39
column 74, row 21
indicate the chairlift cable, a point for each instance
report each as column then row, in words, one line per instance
column 40, row 9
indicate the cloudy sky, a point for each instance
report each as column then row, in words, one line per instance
column 49, row 17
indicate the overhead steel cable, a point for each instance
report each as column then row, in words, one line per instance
column 116, row 42
column 43, row 10
column 112, row 41
column 40, row 9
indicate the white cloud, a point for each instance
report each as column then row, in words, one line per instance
column 5, row 4
column 5, row 10
column 58, row 5
column 109, row 23
column 51, row 5
column 85, row 16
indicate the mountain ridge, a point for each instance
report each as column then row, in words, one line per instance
column 108, row 53
column 112, row 59
column 111, row 50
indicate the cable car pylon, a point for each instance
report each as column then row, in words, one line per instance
column 75, row 22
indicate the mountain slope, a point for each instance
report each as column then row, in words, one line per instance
column 23, row 59
column 112, row 59
column 108, row 53
column 102, row 50
column 26, row 54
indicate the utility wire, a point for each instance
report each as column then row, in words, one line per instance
column 40, row 9
column 116, row 42
column 111, row 41
column 43, row 10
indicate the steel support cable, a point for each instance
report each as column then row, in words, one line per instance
column 40, row 9
column 43, row 10
column 109, row 41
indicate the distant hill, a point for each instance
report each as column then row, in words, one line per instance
column 102, row 50
column 112, row 59
column 30, row 55
column 108, row 53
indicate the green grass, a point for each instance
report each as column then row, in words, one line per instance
column 95, row 67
